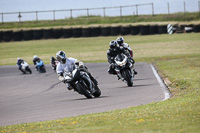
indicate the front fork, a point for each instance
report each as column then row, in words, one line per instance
column 87, row 77
column 119, row 74
column 132, row 72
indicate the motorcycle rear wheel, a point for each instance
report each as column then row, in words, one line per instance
column 98, row 92
column 29, row 70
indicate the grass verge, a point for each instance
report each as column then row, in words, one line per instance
column 176, row 57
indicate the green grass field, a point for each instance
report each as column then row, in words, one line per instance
column 176, row 57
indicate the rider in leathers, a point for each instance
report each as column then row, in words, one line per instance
column 114, row 50
column 19, row 62
column 112, row 53
column 64, row 61
column 120, row 41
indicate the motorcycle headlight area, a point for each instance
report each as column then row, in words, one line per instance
column 121, row 63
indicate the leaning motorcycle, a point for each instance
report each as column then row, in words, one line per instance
column 25, row 67
column 124, row 69
column 81, row 81
column 40, row 66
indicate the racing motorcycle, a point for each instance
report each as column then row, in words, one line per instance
column 40, row 66
column 25, row 68
column 80, row 81
column 124, row 69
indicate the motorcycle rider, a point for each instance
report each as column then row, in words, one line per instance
column 112, row 53
column 114, row 50
column 19, row 61
column 53, row 62
column 120, row 41
column 64, row 61
column 35, row 59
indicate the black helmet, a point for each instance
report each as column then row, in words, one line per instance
column 113, row 44
column 61, row 57
column 120, row 40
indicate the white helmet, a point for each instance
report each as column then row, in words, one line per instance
column 61, row 57
column 18, row 58
column 35, row 56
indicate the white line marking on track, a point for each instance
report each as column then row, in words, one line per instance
column 162, row 85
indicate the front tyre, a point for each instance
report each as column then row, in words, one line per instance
column 127, row 77
column 82, row 88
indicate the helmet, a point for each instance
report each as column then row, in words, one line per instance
column 35, row 56
column 120, row 40
column 18, row 58
column 113, row 44
column 61, row 57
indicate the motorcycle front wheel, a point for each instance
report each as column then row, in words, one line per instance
column 127, row 77
column 82, row 88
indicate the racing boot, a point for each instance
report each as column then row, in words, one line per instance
column 135, row 72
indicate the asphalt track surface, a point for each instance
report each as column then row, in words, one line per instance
column 40, row 96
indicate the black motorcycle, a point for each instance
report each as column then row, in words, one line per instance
column 124, row 69
column 81, row 82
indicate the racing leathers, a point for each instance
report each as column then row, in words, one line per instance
column 128, row 48
column 111, row 54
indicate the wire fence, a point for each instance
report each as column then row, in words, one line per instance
column 71, row 13
column 120, row 11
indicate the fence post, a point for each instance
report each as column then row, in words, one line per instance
column 137, row 10
column 168, row 8
column 184, row 8
column 2, row 17
column 199, row 7
column 104, row 12
column 36, row 16
column 54, row 15
column 71, row 13
column 19, row 16
column 120, row 11
column 87, row 12
column 152, row 9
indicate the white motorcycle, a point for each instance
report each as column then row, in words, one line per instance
column 80, row 81
column 124, row 69
column 25, row 68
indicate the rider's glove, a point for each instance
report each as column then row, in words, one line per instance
column 64, row 81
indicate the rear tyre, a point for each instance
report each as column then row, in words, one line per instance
column 127, row 77
column 29, row 70
column 97, row 92
column 43, row 70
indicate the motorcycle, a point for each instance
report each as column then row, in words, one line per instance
column 25, row 68
column 80, row 81
column 124, row 69
column 40, row 66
